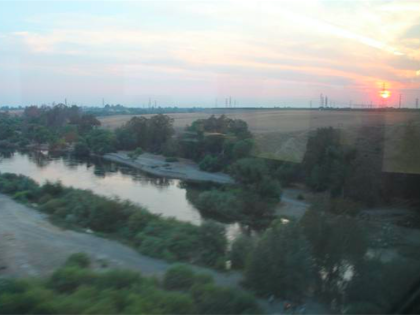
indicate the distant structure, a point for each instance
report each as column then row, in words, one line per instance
column 399, row 101
column 417, row 103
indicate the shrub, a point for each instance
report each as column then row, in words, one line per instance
column 220, row 204
column 179, row 277
column 210, row 164
column 81, row 149
column 80, row 260
column 68, row 279
column 240, row 251
column 211, row 299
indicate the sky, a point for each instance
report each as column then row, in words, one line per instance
column 199, row 53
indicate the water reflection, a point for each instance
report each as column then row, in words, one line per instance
column 168, row 197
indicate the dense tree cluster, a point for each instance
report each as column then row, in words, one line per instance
column 324, row 256
column 76, row 289
column 149, row 134
column 216, row 142
column 60, row 127
column 251, row 200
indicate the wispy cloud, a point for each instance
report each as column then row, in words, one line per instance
column 308, row 46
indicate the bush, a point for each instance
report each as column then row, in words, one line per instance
column 213, row 244
column 81, row 149
column 211, row 299
column 241, row 249
column 179, row 277
column 210, row 164
column 68, row 279
column 80, row 260
column 223, row 205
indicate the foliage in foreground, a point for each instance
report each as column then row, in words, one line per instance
column 75, row 289
column 149, row 233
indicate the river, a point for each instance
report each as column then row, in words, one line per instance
column 167, row 197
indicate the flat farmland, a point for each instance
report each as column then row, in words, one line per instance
column 283, row 134
column 284, row 121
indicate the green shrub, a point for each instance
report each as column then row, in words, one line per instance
column 68, row 279
column 81, row 149
column 210, row 164
column 240, row 251
column 80, row 260
column 211, row 299
column 179, row 277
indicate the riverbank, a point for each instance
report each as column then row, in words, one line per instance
column 27, row 237
column 156, row 165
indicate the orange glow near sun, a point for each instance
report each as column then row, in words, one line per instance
column 385, row 94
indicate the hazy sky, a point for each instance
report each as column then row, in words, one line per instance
column 184, row 53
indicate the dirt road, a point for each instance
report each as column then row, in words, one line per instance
column 31, row 246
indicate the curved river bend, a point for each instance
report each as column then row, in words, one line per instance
column 159, row 195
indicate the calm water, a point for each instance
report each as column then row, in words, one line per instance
column 159, row 195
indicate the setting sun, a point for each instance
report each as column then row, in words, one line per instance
column 385, row 94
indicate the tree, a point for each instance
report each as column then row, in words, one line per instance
column 212, row 238
column 101, row 141
column 281, row 264
column 339, row 244
column 81, row 149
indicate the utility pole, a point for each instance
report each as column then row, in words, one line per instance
column 399, row 102
column 417, row 103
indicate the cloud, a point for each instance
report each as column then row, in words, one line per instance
column 307, row 45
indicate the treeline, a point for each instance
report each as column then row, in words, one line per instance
column 110, row 110
column 76, row 289
column 151, row 234
column 58, row 127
